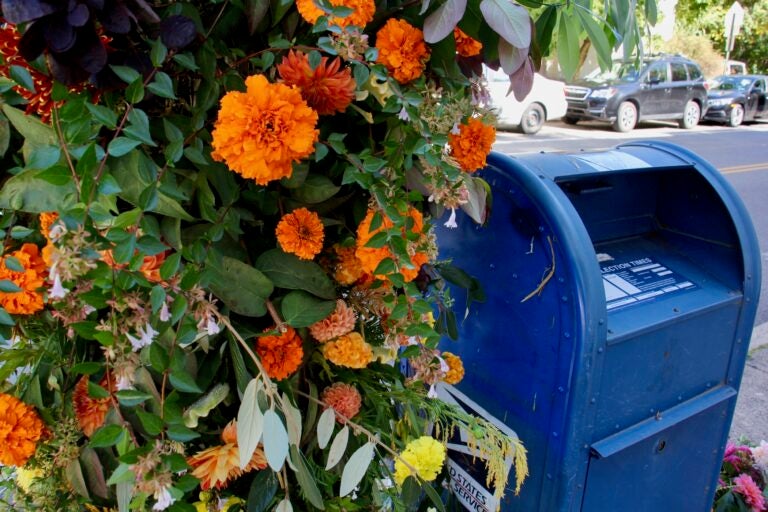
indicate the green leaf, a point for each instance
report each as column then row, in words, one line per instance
column 545, row 27
column 325, row 426
column 184, row 382
column 162, row 86
column 651, row 12
column 122, row 473
column 186, row 61
column 306, row 479
column 288, row 271
column 253, row 287
column 205, row 405
column 104, row 115
column 13, row 263
column 108, row 435
column 126, row 74
column 250, row 422
column 262, row 491
column 44, row 157
column 355, row 468
column 275, row 440
column 241, row 372
column 315, row 189
column 5, row 318
column 510, row 20
column 134, row 93
column 7, row 286
column 75, row 479
column 152, row 423
column 120, row 146
column 338, row 447
column 158, row 53
column 596, row 35
column 22, row 77
column 85, row 368
column 568, row 45
column 132, row 397
column 255, row 11
column 29, row 127
column 434, row 497
column 158, row 357
column 181, row 433
column 300, row 309
column 96, row 391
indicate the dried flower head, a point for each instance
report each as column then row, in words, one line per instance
column 261, row 132
column 362, row 12
column 301, row 233
column 20, row 430
column 349, row 350
column 326, row 88
column 344, row 398
column 471, row 145
column 338, row 323
column 28, row 300
column 466, row 46
column 402, row 50
column 281, row 354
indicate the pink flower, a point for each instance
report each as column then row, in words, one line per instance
column 753, row 496
column 345, row 400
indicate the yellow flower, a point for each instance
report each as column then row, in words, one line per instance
column 425, row 454
column 455, row 368
column 349, row 350
column 25, row 477
column 261, row 132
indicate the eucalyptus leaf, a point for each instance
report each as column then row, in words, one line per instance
column 325, row 426
column 275, row 440
column 250, row 422
column 443, row 20
column 74, row 474
column 288, row 271
column 284, row 506
column 292, row 420
column 338, row 447
column 355, row 468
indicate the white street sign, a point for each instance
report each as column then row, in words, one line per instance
column 733, row 21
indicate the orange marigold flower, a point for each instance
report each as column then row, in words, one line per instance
column 455, row 368
column 46, row 221
column 471, row 145
column 402, row 50
column 362, row 12
column 90, row 412
column 150, row 266
column 261, row 132
column 466, row 46
column 338, row 323
column 345, row 400
column 301, row 233
column 280, row 354
column 28, row 300
column 370, row 257
column 217, row 465
column 325, row 88
column 347, row 269
column 349, row 350
column 20, row 430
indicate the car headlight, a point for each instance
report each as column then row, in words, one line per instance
column 603, row 93
column 719, row 102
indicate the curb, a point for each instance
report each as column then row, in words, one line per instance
column 759, row 337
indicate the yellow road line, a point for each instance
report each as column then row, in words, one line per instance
column 745, row 168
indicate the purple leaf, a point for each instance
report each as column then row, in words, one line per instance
column 59, row 34
column 440, row 23
column 521, row 81
column 21, row 11
column 78, row 16
column 32, row 42
column 116, row 19
column 177, row 31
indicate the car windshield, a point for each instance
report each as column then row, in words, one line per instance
column 621, row 71
column 732, row 83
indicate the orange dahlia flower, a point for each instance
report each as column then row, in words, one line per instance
column 349, row 350
column 455, row 368
column 281, row 354
column 345, row 400
column 28, row 300
column 362, row 12
column 471, row 145
column 338, row 323
column 370, row 257
column 90, row 412
column 301, row 233
column 402, row 50
column 325, row 88
column 466, row 46
column 20, row 430
column 217, row 465
column 347, row 269
column 261, row 132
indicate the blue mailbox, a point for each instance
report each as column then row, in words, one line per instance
column 621, row 289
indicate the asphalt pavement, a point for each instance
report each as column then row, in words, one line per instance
column 750, row 421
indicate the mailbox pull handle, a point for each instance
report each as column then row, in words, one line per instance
column 587, row 187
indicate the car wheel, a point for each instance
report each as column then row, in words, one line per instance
column 626, row 117
column 570, row 120
column 737, row 115
column 691, row 115
column 533, row 119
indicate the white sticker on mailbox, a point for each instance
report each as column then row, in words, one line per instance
column 631, row 282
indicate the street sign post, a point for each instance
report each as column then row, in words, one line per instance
column 733, row 21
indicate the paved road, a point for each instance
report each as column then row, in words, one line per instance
column 741, row 154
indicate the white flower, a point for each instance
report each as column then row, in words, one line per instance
column 432, row 393
column 760, row 454
column 163, row 499
column 123, row 382
column 403, row 115
column 212, row 327
column 443, row 365
column 146, row 335
column 451, row 222
column 57, row 290
column 165, row 313
column 455, row 130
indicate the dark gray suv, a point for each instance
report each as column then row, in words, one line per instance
column 668, row 87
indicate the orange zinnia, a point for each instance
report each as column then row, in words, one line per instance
column 28, row 300
column 370, row 257
column 402, row 50
column 325, row 88
column 350, row 350
column 471, row 145
column 261, row 132
column 466, row 46
column 347, row 269
column 301, row 233
column 90, row 412
column 216, row 466
column 281, row 354
column 20, row 430
column 362, row 12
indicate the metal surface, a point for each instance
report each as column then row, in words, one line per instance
column 595, row 384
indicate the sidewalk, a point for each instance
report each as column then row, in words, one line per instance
column 751, row 417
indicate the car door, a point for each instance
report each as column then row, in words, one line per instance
column 679, row 89
column 758, row 98
column 654, row 92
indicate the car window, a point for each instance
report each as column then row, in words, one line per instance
column 694, row 72
column 657, row 72
column 730, row 83
column 678, row 72
column 760, row 84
